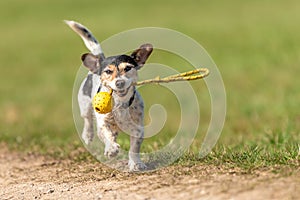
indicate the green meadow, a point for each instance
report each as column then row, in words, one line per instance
column 255, row 44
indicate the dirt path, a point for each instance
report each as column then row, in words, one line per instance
column 36, row 177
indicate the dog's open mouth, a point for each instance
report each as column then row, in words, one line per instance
column 122, row 93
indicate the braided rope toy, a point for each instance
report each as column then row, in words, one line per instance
column 102, row 101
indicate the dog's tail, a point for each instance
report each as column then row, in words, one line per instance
column 89, row 40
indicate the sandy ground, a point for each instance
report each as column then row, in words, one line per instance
column 28, row 176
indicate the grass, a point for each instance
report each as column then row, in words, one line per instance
column 253, row 156
column 255, row 45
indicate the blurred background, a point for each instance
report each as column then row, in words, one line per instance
column 255, row 44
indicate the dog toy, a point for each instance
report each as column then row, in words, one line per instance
column 102, row 101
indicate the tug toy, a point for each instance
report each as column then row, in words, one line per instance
column 103, row 103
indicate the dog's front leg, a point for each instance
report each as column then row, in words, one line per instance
column 108, row 132
column 135, row 163
column 133, row 125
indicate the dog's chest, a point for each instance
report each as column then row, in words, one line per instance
column 134, row 113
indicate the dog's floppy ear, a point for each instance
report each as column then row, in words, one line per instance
column 91, row 62
column 141, row 54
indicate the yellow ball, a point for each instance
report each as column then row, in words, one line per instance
column 102, row 102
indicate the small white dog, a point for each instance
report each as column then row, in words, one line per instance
column 116, row 73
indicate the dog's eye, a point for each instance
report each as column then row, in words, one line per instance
column 127, row 68
column 108, row 71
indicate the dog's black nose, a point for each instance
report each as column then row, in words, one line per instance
column 120, row 84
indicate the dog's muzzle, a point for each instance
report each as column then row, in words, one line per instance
column 121, row 91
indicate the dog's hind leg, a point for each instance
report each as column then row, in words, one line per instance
column 88, row 129
column 86, row 109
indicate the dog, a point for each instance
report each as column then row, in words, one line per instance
column 116, row 73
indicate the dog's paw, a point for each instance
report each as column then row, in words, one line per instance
column 111, row 149
column 136, row 166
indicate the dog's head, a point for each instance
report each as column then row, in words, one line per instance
column 118, row 72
